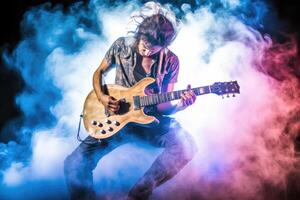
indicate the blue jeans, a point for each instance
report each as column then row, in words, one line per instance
column 179, row 149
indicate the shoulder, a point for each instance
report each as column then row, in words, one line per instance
column 123, row 46
column 171, row 57
column 172, row 60
column 124, row 42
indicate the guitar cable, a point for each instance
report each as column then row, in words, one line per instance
column 97, row 141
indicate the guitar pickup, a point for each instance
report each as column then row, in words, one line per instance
column 136, row 103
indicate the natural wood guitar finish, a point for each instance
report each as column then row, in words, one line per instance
column 102, row 124
column 99, row 125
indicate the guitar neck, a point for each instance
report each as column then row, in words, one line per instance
column 155, row 99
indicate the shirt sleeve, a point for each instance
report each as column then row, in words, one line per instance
column 112, row 52
column 172, row 75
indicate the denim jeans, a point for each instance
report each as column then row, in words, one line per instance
column 179, row 149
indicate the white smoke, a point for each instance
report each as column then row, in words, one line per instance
column 212, row 47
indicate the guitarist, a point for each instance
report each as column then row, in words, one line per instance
column 145, row 54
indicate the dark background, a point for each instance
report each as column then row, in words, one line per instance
column 287, row 12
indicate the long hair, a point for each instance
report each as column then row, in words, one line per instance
column 155, row 23
column 157, row 30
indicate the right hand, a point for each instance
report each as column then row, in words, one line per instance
column 110, row 103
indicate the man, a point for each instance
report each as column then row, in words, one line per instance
column 143, row 55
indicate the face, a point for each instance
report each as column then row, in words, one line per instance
column 146, row 49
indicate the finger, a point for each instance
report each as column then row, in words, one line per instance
column 113, row 102
column 190, row 93
column 114, row 109
column 188, row 102
column 189, row 96
column 184, row 103
column 189, row 87
column 183, row 96
column 192, row 96
column 190, row 99
column 113, row 105
column 112, row 99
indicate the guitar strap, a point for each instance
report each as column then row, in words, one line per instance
column 161, row 71
column 160, row 62
column 96, row 141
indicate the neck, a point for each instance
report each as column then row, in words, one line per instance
column 168, row 96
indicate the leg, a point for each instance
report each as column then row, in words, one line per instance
column 179, row 150
column 80, row 164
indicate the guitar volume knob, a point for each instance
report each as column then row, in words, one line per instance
column 116, row 123
column 100, row 124
column 110, row 129
column 102, row 131
column 108, row 121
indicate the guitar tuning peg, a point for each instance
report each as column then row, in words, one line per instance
column 227, row 95
column 233, row 95
column 222, row 96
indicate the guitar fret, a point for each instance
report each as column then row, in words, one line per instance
column 155, row 99
column 168, row 96
column 142, row 101
column 146, row 101
column 150, row 100
column 195, row 91
column 163, row 97
column 176, row 94
column 179, row 94
column 158, row 99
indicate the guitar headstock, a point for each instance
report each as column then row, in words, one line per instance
column 221, row 88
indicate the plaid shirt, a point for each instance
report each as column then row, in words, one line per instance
column 123, row 55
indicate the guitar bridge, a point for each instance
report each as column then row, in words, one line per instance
column 136, row 103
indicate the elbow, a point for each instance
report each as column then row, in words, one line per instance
column 96, row 76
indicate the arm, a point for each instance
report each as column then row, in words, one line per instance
column 97, row 78
column 108, row 101
column 187, row 99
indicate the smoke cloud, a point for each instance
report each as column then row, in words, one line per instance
column 246, row 148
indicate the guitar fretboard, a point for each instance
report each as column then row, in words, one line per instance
column 170, row 96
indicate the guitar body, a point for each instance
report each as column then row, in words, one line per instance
column 100, row 124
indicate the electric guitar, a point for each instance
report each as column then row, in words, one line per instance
column 100, row 123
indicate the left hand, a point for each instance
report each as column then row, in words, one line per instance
column 187, row 99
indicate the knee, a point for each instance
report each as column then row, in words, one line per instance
column 192, row 150
column 188, row 147
column 69, row 164
column 74, row 163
